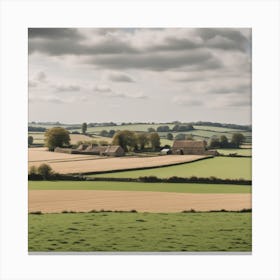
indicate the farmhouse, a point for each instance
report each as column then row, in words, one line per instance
column 188, row 147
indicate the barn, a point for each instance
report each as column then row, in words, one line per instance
column 188, row 147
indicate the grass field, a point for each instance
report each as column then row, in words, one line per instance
column 140, row 232
column 220, row 167
column 135, row 186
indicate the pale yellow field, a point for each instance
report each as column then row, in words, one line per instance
column 38, row 155
column 67, row 163
column 49, row 201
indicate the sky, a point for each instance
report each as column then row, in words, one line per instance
column 139, row 74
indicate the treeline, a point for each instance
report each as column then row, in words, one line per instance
column 236, row 140
column 36, row 129
column 176, row 128
column 225, row 125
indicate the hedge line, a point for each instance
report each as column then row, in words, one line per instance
column 146, row 179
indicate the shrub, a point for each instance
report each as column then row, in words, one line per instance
column 33, row 170
column 45, row 171
column 30, row 140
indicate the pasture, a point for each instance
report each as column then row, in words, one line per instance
column 140, row 232
column 220, row 167
column 137, row 186
column 241, row 152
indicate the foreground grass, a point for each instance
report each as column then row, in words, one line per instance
column 140, row 232
column 241, row 152
column 135, row 186
column 220, row 167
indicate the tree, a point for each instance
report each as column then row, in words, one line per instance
column 155, row 140
column 45, row 171
column 142, row 140
column 125, row 139
column 56, row 137
column 180, row 136
column 214, row 142
column 237, row 139
column 84, row 128
column 30, row 140
column 104, row 133
column 169, row 136
column 32, row 170
column 151, row 129
column 224, row 141
column 163, row 128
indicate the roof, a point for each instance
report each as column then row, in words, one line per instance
column 92, row 148
column 112, row 149
column 188, row 144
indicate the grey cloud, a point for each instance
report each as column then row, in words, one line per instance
column 54, row 33
column 66, row 88
column 159, row 62
column 223, row 38
column 41, row 77
column 187, row 101
column 120, row 77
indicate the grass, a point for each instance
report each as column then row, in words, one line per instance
column 140, row 232
column 220, row 167
column 135, row 186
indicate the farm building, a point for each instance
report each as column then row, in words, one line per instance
column 188, row 147
column 115, row 151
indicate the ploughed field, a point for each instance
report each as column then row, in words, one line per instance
column 69, row 163
column 140, row 232
column 220, row 167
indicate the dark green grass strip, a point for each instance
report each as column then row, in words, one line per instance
column 140, row 232
column 135, row 186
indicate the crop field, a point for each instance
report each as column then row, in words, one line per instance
column 220, row 167
column 38, row 138
column 140, row 232
column 138, row 186
column 218, row 129
column 36, row 156
column 99, row 164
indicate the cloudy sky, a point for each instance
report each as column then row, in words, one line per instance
column 131, row 74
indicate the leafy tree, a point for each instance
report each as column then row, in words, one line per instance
column 237, row 139
column 30, row 140
column 151, row 129
column 169, row 136
column 155, row 140
column 32, row 170
column 125, row 139
column 45, row 171
column 214, row 142
column 111, row 133
column 224, row 141
column 142, row 140
column 189, row 137
column 180, row 136
column 84, row 128
column 163, row 128
column 104, row 133
column 186, row 127
column 56, row 137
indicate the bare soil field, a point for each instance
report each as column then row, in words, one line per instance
column 74, row 138
column 39, row 155
column 54, row 201
column 67, row 163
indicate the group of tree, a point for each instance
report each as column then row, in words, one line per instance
column 106, row 133
column 36, row 129
column 182, row 136
column 236, row 140
column 30, row 140
column 56, row 137
column 131, row 141
column 176, row 128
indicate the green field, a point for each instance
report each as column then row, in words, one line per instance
column 140, row 232
column 135, row 186
column 220, row 167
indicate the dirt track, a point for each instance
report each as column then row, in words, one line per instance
column 49, row 201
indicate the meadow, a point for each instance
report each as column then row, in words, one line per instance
column 140, row 232
column 220, row 167
column 137, row 186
